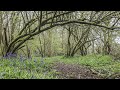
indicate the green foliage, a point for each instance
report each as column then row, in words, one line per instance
column 35, row 69
column 29, row 69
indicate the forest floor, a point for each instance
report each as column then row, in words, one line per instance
column 88, row 67
column 59, row 67
column 72, row 71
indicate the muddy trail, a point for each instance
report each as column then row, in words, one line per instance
column 72, row 71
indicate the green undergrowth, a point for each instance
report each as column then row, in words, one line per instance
column 26, row 69
column 42, row 68
column 103, row 65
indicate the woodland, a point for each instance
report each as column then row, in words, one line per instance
column 59, row 45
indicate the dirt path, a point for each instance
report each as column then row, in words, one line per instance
column 70, row 71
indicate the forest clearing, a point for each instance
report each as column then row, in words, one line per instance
column 59, row 45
